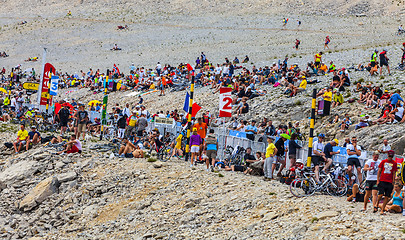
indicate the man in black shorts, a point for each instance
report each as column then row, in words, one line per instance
column 384, row 61
column 318, row 155
column 63, row 114
column 354, row 152
column 386, row 176
column 371, row 167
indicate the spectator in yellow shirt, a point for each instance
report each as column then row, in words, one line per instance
column 327, row 97
column 337, row 99
column 22, row 136
column 271, row 151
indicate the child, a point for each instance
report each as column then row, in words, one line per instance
column 195, row 142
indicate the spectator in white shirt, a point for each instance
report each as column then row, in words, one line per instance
column 385, row 147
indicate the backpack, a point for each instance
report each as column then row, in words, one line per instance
column 47, row 139
column 8, row 145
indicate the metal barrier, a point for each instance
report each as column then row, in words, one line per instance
column 225, row 140
column 164, row 128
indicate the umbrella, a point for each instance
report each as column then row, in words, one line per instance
column 3, row 90
column 67, row 104
column 94, row 102
column 285, row 136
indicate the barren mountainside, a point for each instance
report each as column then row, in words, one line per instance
column 197, row 7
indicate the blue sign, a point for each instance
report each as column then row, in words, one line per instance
column 53, row 90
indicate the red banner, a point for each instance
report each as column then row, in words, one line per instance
column 225, row 102
column 45, row 83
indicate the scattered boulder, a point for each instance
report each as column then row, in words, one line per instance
column 18, row 171
column 327, row 214
column 66, row 177
column 157, row 164
column 39, row 193
column 270, row 216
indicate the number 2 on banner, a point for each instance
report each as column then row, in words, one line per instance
column 228, row 103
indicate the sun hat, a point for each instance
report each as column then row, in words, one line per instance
column 376, row 153
column 336, row 141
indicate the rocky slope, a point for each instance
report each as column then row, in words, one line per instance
column 98, row 197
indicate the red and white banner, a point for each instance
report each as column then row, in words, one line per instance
column 45, row 83
column 225, row 102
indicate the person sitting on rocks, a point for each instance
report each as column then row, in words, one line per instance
column 33, row 137
column 337, row 99
column 357, row 194
column 397, row 199
column 383, row 118
column 242, row 108
column 384, row 98
column 397, row 115
column 129, row 150
column 72, row 146
column 22, row 136
column 364, row 122
column 345, row 123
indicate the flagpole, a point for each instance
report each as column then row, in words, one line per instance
column 190, row 111
column 104, row 111
column 41, row 78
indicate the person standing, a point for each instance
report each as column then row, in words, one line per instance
column 384, row 61
column 318, row 60
column 63, row 116
column 201, row 130
column 142, row 124
column 318, row 155
column 371, row 167
column 195, row 143
column 121, row 125
column 271, row 152
column 328, row 150
column 280, row 153
column 327, row 101
column 82, row 119
column 385, row 178
column 292, row 149
column 297, row 44
column 327, row 41
column 126, row 112
column 354, row 152
column 373, row 60
column 211, row 145
column 251, row 130
column 158, row 68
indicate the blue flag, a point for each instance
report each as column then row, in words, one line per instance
column 186, row 102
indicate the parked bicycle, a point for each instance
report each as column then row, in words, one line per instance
column 307, row 186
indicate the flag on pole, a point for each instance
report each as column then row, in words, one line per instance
column 186, row 102
column 189, row 67
column 196, row 109
column 116, row 70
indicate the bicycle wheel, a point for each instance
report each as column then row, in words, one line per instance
column 302, row 187
column 336, row 188
column 166, row 153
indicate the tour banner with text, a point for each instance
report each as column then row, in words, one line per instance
column 45, row 83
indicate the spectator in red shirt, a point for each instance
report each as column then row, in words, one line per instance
column 385, row 178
